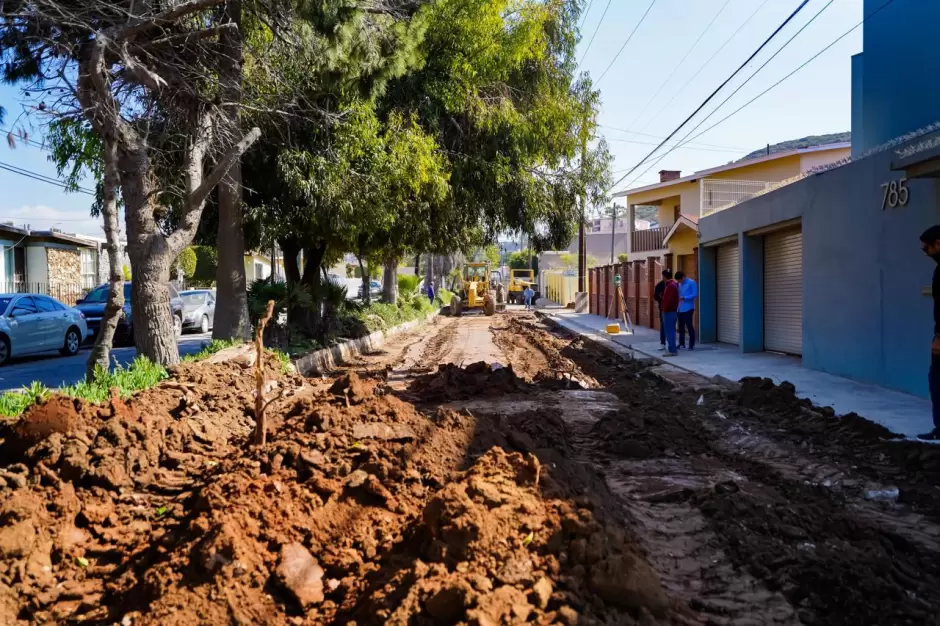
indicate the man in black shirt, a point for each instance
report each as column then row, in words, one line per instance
column 931, row 245
column 658, row 297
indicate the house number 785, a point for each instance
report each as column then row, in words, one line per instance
column 896, row 194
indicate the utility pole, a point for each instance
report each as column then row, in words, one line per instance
column 613, row 230
column 582, row 243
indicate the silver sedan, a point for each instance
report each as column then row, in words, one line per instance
column 34, row 323
column 198, row 309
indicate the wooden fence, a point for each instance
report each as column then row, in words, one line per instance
column 638, row 280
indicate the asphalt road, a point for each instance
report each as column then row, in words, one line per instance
column 53, row 369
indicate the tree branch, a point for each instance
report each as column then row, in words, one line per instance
column 167, row 17
column 197, row 197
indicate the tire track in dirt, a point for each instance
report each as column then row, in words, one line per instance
column 746, row 525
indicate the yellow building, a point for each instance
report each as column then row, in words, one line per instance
column 680, row 201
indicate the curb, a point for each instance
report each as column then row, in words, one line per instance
column 594, row 335
column 325, row 360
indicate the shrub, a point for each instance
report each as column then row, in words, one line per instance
column 408, row 283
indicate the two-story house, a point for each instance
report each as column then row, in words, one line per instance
column 679, row 202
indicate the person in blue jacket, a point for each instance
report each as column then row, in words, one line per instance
column 431, row 293
column 528, row 294
column 688, row 292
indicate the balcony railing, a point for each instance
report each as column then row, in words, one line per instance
column 648, row 240
column 718, row 194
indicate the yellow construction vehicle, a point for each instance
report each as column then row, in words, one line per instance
column 474, row 289
column 518, row 281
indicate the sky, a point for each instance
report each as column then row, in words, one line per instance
column 640, row 97
column 640, row 106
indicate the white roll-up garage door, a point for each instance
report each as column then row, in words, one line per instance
column 729, row 294
column 783, row 292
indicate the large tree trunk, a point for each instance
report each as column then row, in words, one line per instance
column 152, row 318
column 231, row 312
column 366, row 279
column 390, row 281
column 429, row 261
column 291, row 251
column 99, row 359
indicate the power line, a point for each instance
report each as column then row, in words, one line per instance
column 43, row 179
column 653, row 143
column 633, row 132
column 590, row 43
column 804, row 64
column 715, row 92
column 705, row 64
column 679, row 64
column 585, row 14
column 633, row 32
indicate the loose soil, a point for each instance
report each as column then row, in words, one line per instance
column 476, row 471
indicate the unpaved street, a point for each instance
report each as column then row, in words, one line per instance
column 478, row 470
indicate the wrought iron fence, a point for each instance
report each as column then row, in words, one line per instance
column 66, row 293
column 720, row 194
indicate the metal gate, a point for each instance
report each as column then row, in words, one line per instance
column 729, row 294
column 783, row 292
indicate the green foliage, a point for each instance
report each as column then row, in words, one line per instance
column 381, row 316
column 408, row 284
column 519, row 260
column 187, row 262
column 126, row 270
column 285, row 296
column 491, row 255
column 216, row 345
column 623, row 258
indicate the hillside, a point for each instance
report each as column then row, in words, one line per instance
column 795, row 144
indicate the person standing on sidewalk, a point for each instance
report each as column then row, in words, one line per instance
column 688, row 292
column 930, row 241
column 658, row 297
column 670, row 307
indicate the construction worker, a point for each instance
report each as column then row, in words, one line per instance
column 528, row 294
column 670, row 307
column 431, row 293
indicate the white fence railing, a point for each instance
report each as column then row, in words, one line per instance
column 718, row 194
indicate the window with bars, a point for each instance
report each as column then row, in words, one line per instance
column 89, row 268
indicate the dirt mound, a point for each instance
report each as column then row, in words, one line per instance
column 529, row 344
column 452, row 382
column 359, row 507
column 658, row 421
column 492, row 551
column 789, row 410
column 800, row 541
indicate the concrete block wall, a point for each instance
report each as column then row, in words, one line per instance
column 865, row 315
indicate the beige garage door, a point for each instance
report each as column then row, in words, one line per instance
column 783, row 292
column 729, row 294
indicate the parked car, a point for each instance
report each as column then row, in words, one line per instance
column 198, row 309
column 33, row 323
column 375, row 289
column 93, row 305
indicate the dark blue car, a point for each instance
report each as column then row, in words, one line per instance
column 93, row 305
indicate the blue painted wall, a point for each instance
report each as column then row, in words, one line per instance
column 752, row 293
column 894, row 86
column 707, row 298
column 864, row 315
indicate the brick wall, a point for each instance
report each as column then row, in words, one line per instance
column 65, row 274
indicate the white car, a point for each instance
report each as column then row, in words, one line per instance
column 33, row 323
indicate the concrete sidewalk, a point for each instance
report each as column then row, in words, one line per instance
column 900, row 412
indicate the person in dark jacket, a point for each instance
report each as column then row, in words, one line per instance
column 930, row 241
column 658, row 297
column 670, row 308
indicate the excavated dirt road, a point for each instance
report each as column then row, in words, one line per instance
column 480, row 471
